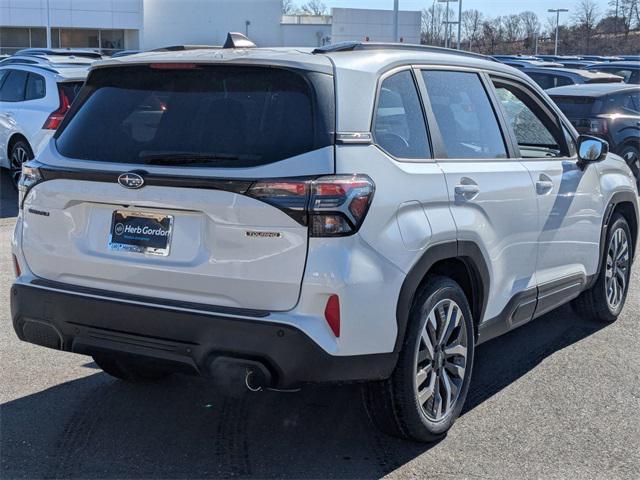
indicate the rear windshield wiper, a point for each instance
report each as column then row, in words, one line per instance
column 189, row 158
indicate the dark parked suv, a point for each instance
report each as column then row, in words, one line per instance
column 608, row 110
column 558, row 77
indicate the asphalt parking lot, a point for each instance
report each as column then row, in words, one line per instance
column 558, row 398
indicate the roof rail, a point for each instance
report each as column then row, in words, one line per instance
column 351, row 46
column 60, row 51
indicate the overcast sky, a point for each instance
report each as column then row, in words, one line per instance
column 488, row 7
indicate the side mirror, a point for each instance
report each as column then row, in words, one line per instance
column 592, row 149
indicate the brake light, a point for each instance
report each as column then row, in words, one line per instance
column 332, row 314
column 173, row 66
column 55, row 119
column 331, row 206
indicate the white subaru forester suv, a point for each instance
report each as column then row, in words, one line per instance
column 360, row 212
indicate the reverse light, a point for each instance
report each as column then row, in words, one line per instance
column 332, row 314
column 55, row 119
column 30, row 177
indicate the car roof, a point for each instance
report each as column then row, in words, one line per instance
column 352, row 55
column 592, row 89
column 571, row 71
column 627, row 64
column 62, row 74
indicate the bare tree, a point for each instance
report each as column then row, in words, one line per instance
column 531, row 26
column 492, row 33
column 314, row 7
column 472, row 26
column 586, row 18
column 512, row 28
column 288, row 7
column 433, row 24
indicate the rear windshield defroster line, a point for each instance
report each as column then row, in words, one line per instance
column 208, row 116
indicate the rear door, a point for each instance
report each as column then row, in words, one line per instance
column 491, row 196
column 165, row 181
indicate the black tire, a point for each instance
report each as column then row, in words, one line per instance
column 129, row 370
column 393, row 404
column 631, row 155
column 20, row 152
column 593, row 304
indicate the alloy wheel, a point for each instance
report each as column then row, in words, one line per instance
column 18, row 157
column 616, row 277
column 441, row 360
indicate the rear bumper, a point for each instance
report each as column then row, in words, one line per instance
column 181, row 339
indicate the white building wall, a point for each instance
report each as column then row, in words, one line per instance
column 374, row 25
column 102, row 14
column 207, row 22
column 305, row 35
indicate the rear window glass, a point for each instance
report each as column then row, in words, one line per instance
column 71, row 90
column 577, row 107
column 206, row 116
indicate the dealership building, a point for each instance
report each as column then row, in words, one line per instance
column 113, row 25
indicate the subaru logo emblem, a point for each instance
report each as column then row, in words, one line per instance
column 131, row 180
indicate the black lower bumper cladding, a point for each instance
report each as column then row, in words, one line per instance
column 181, row 341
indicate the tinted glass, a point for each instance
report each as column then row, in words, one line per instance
column 399, row 123
column 36, row 87
column 233, row 116
column 528, row 126
column 71, row 89
column 543, row 79
column 464, row 114
column 14, row 86
column 562, row 81
column 3, row 74
column 577, row 107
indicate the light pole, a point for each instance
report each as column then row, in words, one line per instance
column 48, row 25
column 447, row 23
column 396, row 30
column 557, row 11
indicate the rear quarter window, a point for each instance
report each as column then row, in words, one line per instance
column 218, row 115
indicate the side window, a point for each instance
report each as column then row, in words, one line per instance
column 562, row 81
column 466, row 120
column 36, row 87
column 537, row 134
column 14, row 86
column 399, row 126
column 3, row 75
column 545, row 81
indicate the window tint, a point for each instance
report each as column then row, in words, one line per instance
column 70, row 89
column 562, row 81
column 464, row 114
column 3, row 74
column 35, row 87
column 14, row 86
column 205, row 116
column 399, row 123
column 543, row 79
column 533, row 129
column 577, row 107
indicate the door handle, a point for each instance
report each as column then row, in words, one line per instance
column 468, row 191
column 544, row 186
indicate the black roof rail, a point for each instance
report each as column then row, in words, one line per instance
column 60, row 51
column 180, row 48
column 31, row 65
column 351, row 46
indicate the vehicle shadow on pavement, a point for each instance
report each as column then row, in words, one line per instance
column 8, row 196
column 97, row 427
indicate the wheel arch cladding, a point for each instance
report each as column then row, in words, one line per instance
column 463, row 262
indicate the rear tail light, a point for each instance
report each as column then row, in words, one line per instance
column 331, row 206
column 55, row 119
column 30, row 177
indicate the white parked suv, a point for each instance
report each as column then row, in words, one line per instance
column 360, row 212
column 34, row 97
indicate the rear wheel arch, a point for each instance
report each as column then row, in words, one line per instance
column 461, row 261
column 16, row 137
